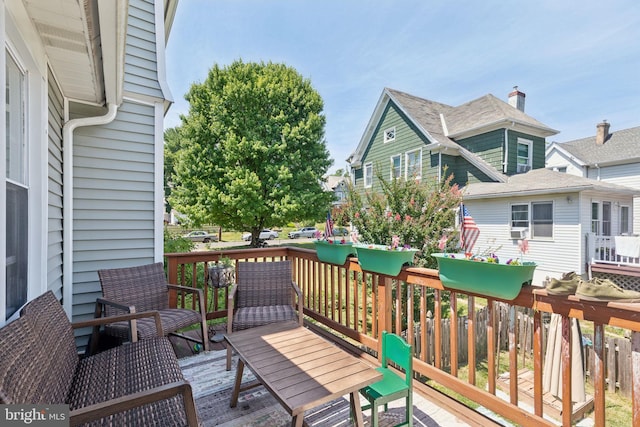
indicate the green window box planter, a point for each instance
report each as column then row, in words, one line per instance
column 334, row 253
column 379, row 259
column 502, row 281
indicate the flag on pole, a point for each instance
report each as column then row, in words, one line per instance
column 328, row 228
column 469, row 231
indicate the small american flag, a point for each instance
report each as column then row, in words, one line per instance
column 328, row 228
column 469, row 231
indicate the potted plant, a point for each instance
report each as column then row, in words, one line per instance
column 334, row 251
column 485, row 275
column 384, row 259
column 222, row 273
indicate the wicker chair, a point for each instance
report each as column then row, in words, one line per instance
column 145, row 288
column 262, row 295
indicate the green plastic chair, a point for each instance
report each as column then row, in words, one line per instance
column 392, row 387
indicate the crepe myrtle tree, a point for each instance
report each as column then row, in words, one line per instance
column 419, row 212
column 252, row 149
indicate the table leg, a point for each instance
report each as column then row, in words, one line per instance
column 236, row 386
column 356, row 409
column 296, row 420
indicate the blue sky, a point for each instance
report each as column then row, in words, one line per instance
column 577, row 61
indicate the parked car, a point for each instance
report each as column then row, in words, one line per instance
column 265, row 234
column 303, row 232
column 340, row 231
column 201, row 236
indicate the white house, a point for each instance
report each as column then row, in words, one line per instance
column 606, row 156
column 551, row 209
column 81, row 155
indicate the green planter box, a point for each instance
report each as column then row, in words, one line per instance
column 335, row 253
column 484, row 278
column 378, row 259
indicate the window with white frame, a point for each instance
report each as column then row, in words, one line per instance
column 595, row 218
column 389, row 134
column 520, row 216
column 16, row 187
column 606, row 218
column 524, row 153
column 541, row 219
column 413, row 164
column 396, row 167
column 624, row 220
column 368, row 175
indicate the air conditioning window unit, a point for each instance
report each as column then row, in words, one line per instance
column 519, row 233
column 523, row 168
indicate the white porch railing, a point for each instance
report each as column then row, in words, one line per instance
column 602, row 250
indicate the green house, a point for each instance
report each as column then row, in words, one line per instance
column 483, row 140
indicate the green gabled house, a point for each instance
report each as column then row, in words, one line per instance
column 484, row 140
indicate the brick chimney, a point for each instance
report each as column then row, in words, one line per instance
column 602, row 132
column 516, row 99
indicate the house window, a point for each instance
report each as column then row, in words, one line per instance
column 16, row 214
column 595, row 218
column 624, row 220
column 519, row 216
column 541, row 219
column 524, row 155
column 368, row 175
column 389, row 134
column 413, row 162
column 396, row 168
column 606, row 218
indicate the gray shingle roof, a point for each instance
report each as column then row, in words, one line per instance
column 541, row 181
column 622, row 146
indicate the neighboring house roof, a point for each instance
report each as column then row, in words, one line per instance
column 440, row 123
column 541, row 181
column 620, row 147
column 332, row 181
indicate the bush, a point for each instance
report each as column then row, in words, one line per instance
column 418, row 212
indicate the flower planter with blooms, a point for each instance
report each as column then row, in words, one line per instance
column 334, row 251
column 384, row 259
column 485, row 275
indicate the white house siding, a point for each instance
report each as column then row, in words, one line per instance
column 141, row 66
column 55, row 108
column 554, row 256
column 627, row 175
column 557, row 159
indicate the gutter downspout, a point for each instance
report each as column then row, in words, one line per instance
column 67, row 198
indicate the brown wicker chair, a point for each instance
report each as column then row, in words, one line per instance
column 145, row 288
column 263, row 294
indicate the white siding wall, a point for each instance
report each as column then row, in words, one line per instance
column 55, row 189
column 558, row 159
column 629, row 176
column 561, row 254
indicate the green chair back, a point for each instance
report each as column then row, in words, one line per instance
column 396, row 350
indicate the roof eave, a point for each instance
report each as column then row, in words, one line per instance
column 511, row 124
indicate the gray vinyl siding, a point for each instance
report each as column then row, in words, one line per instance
column 113, row 218
column 627, row 175
column 141, row 68
column 55, row 109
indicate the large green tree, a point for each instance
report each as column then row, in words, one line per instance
column 252, row 149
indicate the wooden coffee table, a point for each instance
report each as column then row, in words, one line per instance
column 301, row 369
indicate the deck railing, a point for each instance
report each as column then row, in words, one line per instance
column 358, row 305
column 603, row 250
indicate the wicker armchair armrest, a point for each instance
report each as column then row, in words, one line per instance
column 298, row 292
column 115, row 304
column 124, row 403
column 230, row 304
column 121, row 317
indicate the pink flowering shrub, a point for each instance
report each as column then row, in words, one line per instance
column 418, row 212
